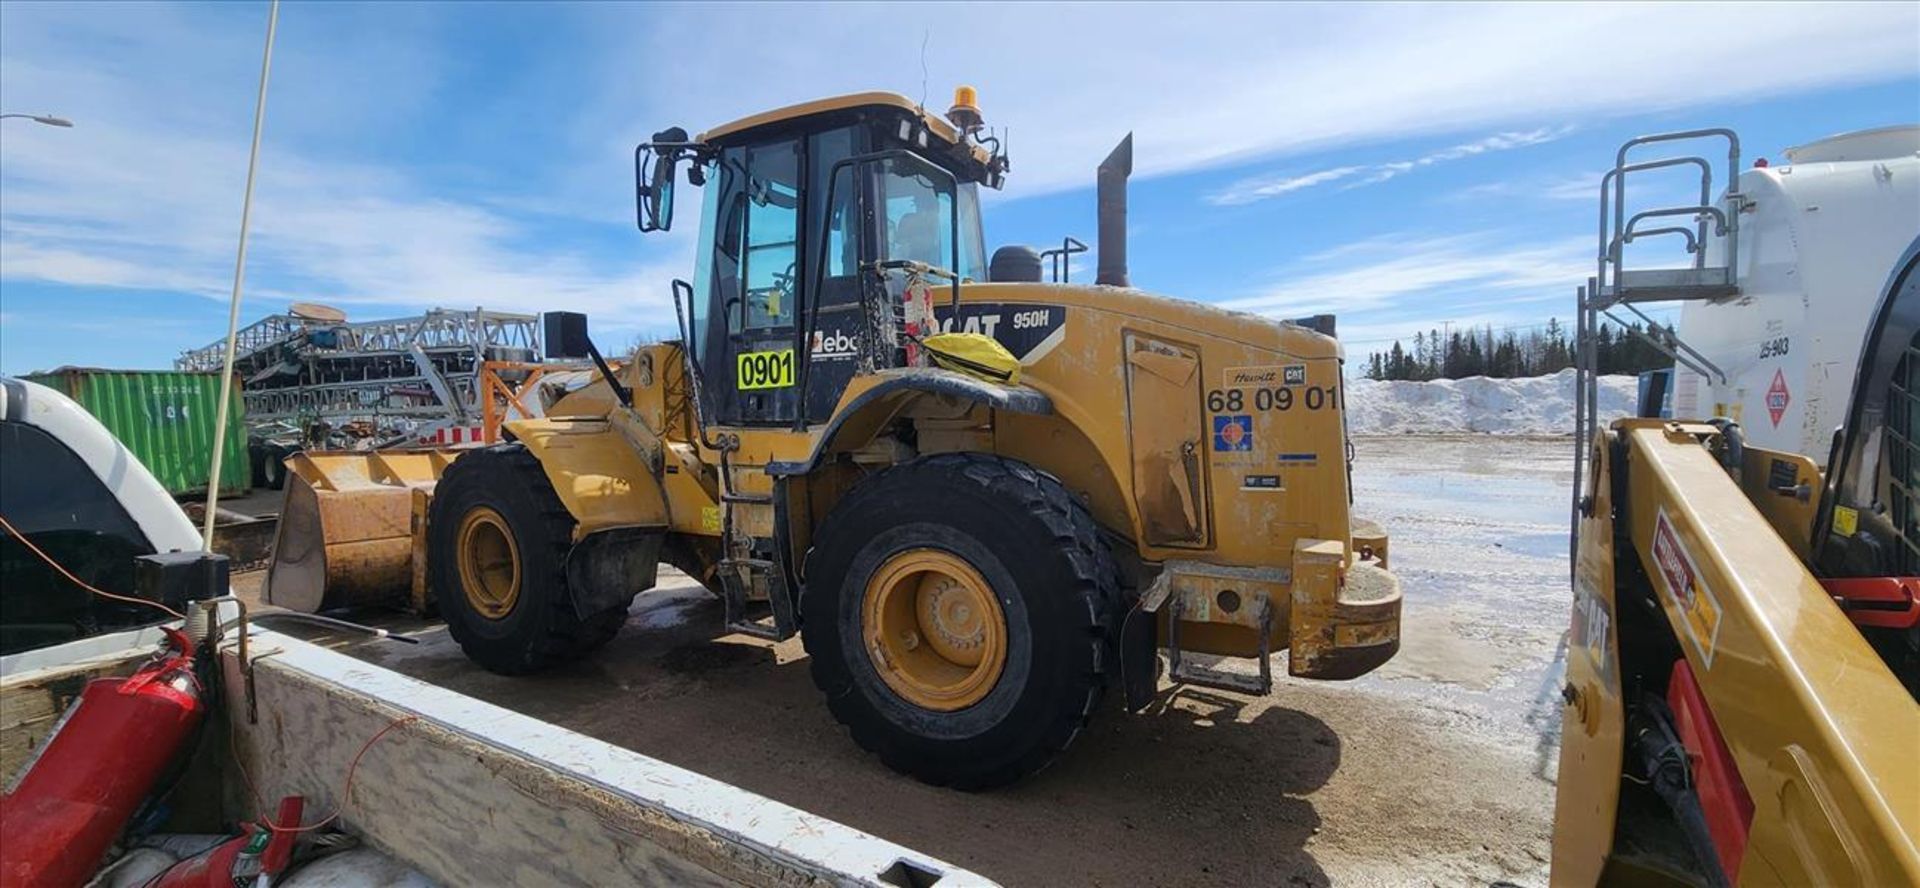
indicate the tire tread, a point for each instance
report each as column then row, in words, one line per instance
column 1095, row 584
column 566, row 636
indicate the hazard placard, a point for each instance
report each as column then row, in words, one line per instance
column 1777, row 397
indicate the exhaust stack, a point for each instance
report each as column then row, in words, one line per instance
column 1112, row 201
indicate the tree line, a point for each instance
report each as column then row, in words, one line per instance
column 1538, row 352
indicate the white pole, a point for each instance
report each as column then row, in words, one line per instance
column 239, row 278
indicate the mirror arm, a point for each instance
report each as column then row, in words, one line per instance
column 620, row 391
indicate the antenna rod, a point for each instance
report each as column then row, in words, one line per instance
column 239, row 278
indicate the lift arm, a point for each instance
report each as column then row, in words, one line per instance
column 1819, row 730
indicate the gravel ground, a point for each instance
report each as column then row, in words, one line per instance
column 1436, row 769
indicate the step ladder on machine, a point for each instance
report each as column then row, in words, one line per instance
column 749, row 568
column 1618, row 288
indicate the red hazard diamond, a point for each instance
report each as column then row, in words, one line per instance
column 1777, row 398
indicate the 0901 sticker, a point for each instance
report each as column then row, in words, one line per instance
column 764, row 370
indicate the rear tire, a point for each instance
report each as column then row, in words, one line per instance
column 256, row 462
column 497, row 543
column 273, row 467
column 959, row 522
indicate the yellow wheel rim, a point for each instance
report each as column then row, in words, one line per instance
column 934, row 629
column 489, row 563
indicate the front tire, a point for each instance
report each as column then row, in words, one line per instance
column 956, row 614
column 497, row 543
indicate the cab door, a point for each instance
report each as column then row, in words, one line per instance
column 752, row 286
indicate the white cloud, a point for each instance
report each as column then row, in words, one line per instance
column 135, row 198
column 1672, row 187
column 1568, row 187
column 1409, row 283
column 1259, row 188
column 1198, row 90
column 1247, row 191
column 1497, row 142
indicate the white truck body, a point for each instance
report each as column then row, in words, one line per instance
column 1818, row 238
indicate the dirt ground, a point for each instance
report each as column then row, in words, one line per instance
column 1437, row 769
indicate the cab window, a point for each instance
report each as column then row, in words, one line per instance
column 1902, row 436
column 772, row 237
column 973, row 241
column 919, row 217
column 918, row 203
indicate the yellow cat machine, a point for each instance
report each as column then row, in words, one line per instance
column 984, row 497
column 1744, row 655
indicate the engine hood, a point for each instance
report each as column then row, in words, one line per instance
column 1200, row 318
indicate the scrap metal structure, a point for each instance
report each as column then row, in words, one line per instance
column 408, row 377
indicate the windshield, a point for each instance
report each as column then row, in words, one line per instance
column 919, row 204
column 973, row 241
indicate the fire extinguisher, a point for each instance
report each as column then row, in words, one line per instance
column 103, row 760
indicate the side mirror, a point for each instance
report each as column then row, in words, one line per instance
column 653, row 175
column 566, row 336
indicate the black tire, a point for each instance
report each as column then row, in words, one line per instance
column 540, row 629
column 273, row 466
column 1037, row 548
column 257, row 462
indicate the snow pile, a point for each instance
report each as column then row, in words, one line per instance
column 1535, row 405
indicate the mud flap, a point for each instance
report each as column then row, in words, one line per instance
column 1139, row 658
column 606, row 569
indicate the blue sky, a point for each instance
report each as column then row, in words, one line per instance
column 1401, row 166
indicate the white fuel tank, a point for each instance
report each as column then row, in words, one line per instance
column 1817, row 242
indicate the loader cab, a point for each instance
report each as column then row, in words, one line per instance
column 801, row 210
column 1870, row 522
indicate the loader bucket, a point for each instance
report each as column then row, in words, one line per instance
column 349, row 527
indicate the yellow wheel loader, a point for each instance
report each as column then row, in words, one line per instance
column 981, row 498
column 1744, row 655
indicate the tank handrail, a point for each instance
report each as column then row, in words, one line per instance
column 1614, row 248
column 1733, row 147
column 1693, row 244
column 1620, row 173
column 1733, row 182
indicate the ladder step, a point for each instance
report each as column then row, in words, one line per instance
column 1187, row 672
column 1184, row 672
column 736, row 599
column 749, row 563
column 1670, row 284
column 756, row 629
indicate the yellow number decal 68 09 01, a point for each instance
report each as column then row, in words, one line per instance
column 764, row 370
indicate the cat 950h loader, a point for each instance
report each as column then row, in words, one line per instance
column 975, row 534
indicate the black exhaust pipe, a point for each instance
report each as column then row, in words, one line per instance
column 1112, row 201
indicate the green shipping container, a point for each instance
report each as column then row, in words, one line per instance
column 166, row 418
